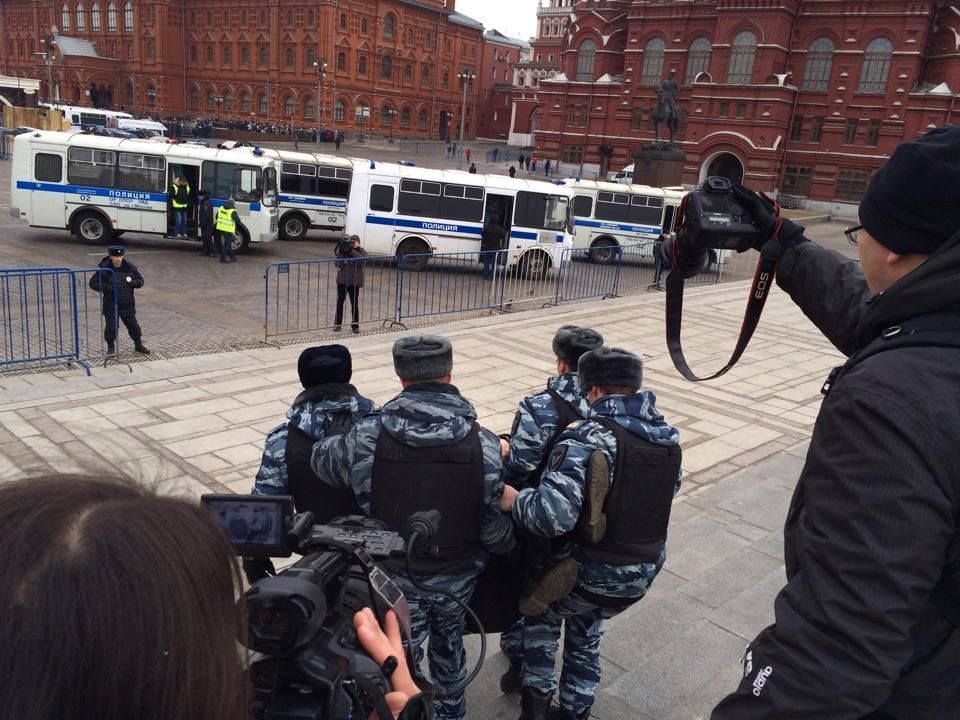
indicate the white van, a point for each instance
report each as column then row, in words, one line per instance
column 624, row 177
column 156, row 129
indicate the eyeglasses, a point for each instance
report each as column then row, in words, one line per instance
column 853, row 234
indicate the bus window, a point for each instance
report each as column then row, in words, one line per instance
column 582, row 206
column 47, row 168
column 333, row 182
column 418, row 197
column 536, row 210
column 229, row 180
column 92, row 119
column 462, row 202
column 297, row 178
column 646, row 210
column 613, row 206
column 86, row 166
column 141, row 172
column 381, row 198
column 668, row 220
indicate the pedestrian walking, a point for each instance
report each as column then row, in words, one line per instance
column 349, row 280
column 546, row 167
column 867, row 624
column 226, row 224
column 336, row 140
column 425, row 451
column 520, row 161
column 512, row 171
column 179, row 195
column 473, row 169
column 466, row 154
column 491, row 240
column 205, row 221
column 115, row 280
column 606, row 494
column 449, row 150
column 533, row 166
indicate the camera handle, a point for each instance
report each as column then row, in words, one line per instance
column 759, row 290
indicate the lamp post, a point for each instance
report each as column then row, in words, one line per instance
column 47, row 56
column 151, row 97
column 321, row 66
column 218, row 99
column 465, row 77
column 390, row 113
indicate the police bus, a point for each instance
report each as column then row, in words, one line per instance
column 88, row 117
column 608, row 216
column 101, row 187
column 406, row 211
column 313, row 191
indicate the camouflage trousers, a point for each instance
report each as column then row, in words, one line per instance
column 441, row 620
column 537, row 639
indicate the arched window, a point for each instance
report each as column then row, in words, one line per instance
column 445, row 83
column 262, row 103
column 194, row 98
column 409, row 38
column 342, row 62
column 386, row 68
column 111, row 17
column 128, row 15
column 311, row 18
column 816, row 74
column 228, row 101
column 245, row 103
column 363, row 112
column 209, row 54
column 343, row 21
column 876, row 66
column 81, row 18
column 288, row 106
column 408, row 73
column 427, row 41
column 289, row 58
column 151, row 93
column 363, row 26
column 227, row 55
column 698, row 59
column 339, row 111
column 211, row 103
column 289, row 18
column 95, row 17
column 653, row 62
column 308, row 107
column 263, row 20
column 405, row 118
column 386, row 115
column 422, row 120
column 586, row 56
column 362, row 65
column 741, row 58
column 311, row 57
column 389, row 26
column 126, row 94
column 65, row 17
column 425, row 75
column 226, row 18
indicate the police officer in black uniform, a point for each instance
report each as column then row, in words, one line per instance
column 116, row 281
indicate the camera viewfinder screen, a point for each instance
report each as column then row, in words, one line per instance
column 714, row 204
column 250, row 524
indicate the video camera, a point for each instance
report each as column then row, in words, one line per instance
column 344, row 246
column 301, row 620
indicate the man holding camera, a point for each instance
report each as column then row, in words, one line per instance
column 604, row 497
column 349, row 280
column 425, row 451
column 867, row 625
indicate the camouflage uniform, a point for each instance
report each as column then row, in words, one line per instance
column 552, row 510
column 429, row 414
column 309, row 416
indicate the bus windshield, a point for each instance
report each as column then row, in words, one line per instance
column 229, row 180
column 269, row 186
column 538, row 210
column 557, row 213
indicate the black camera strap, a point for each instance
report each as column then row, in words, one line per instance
column 759, row 290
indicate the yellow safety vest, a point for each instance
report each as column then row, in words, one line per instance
column 176, row 204
column 225, row 221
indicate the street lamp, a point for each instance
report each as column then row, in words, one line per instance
column 391, row 113
column 47, row 56
column 465, row 76
column 218, row 99
column 151, row 97
column 321, row 66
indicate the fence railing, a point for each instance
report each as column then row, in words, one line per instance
column 53, row 316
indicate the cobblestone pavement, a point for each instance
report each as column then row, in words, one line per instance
column 197, row 424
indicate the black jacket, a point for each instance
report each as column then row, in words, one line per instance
column 350, row 273
column 491, row 237
column 205, row 216
column 872, row 528
column 102, row 282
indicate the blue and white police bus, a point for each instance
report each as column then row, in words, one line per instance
column 101, row 187
column 608, row 216
column 402, row 210
column 313, row 191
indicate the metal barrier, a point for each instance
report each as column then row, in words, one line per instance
column 449, row 283
column 51, row 315
column 585, row 273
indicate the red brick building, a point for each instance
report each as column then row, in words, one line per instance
column 500, row 56
column 808, row 97
column 390, row 64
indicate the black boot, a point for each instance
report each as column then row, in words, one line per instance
column 533, row 705
column 510, row 680
column 556, row 583
column 111, row 348
column 564, row 714
column 141, row 348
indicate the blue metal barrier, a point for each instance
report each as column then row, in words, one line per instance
column 449, row 283
column 581, row 276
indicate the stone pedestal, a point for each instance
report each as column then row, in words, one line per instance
column 658, row 165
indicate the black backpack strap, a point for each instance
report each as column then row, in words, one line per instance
column 566, row 412
column 338, row 423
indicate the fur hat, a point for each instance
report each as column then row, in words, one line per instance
column 324, row 364
column 611, row 367
column 572, row 341
column 422, row 357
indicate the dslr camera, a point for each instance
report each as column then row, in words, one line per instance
column 712, row 218
column 308, row 663
column 344, row 246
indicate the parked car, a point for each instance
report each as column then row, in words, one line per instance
column 624, row 177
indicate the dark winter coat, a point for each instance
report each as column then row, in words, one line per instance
column 128, row 278
column 205, row 216
column 350, row 273
column 491, row 237
column 872, row 528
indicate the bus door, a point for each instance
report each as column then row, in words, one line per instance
column 191, row 171
column 48, row 205
column 501, row 206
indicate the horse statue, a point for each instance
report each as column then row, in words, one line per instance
column 666, row 109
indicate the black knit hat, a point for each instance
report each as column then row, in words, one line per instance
column 609, row 366
column 115, row 250
column 324, row 364
column 572, row 341
column 910, row 205
column 422, row 357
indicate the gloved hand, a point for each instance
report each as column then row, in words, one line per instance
column 258, row 568
column 762, row 211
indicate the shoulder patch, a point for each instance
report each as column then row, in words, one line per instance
column 557, row 456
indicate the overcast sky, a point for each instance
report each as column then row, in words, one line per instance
column 514, row 18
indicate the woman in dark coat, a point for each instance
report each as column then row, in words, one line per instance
column 349, row 280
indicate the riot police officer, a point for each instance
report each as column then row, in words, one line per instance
column 116, row 281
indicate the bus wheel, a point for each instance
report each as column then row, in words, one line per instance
column 414, row 247
column 241, row 240
column 92, row 227
column 293, row 226
column 535, row 265
column 604, row 251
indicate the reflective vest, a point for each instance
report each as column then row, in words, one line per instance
column 225, row 221
column 177, row 189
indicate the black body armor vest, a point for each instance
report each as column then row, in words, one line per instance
column 638, row 504
column 446, row 478
column 310, row 492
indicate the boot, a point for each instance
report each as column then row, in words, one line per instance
column 555, row 584
column 141, row 348
column 510, row 680
column 533, row 705
column 564, row 714
column 111, row 348
column 592, row 522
